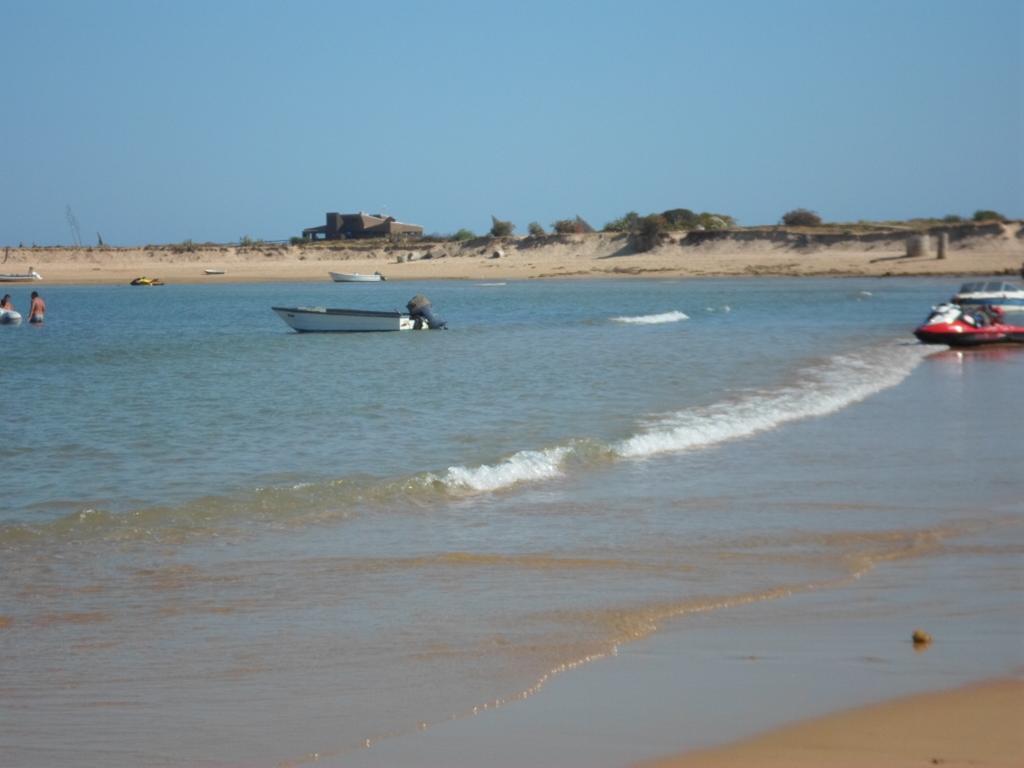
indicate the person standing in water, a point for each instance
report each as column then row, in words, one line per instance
column 37, row 311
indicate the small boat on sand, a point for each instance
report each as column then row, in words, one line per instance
column 328, row 320
column 355, row 277
column 213, row 271
column 23, row 277
column 147, row 281
column 949, row 324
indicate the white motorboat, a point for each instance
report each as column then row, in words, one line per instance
column 213, row 271
column 992, row 293
column 329, row 320
column 355, row 277
column 309, row 319
column 23, row 277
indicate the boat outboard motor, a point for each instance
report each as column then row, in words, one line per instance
column 420, row 313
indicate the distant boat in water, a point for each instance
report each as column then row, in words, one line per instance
column 994, row 293
column 24, row 277
column 355, row 277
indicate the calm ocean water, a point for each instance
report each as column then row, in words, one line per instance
column 223, row 543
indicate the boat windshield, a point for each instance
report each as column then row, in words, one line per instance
column 972, row 287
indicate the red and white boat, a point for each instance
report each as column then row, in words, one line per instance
column 949, row 324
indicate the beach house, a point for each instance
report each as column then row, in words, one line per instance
column 340, row 226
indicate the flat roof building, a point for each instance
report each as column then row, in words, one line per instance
column 340, row 226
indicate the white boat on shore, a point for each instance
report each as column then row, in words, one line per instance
column 992, row 293
column 355, row 277
column 24, row 277
column 328, row 320
column 213, row 271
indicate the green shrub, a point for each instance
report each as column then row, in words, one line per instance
column 650, row 230
column 564, row 226
column 680, row 218
column 535, row 229
column 298, row 241
column 952, row 218
column 988, row 216
column 716, row 221
column 463, row 235
column 801, row 217
column 628, row 223
column 501, row 228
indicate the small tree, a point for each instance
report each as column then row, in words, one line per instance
column 801, row 217
column 564, row 226
column 463, row 235
column 535, row 229
column 501, row 228
column 988, row 216
column 952, row 218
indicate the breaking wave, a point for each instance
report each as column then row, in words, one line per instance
column 665, row 317
column 520, row 467
column 821, row 390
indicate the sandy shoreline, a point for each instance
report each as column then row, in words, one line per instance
column 978, row 725
column 594, row 255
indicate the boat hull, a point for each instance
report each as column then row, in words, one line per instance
column 959, row 335
column 344, row 277
column 326, row 320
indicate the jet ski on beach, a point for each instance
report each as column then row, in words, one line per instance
column 950, row 324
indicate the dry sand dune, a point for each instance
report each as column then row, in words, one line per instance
column 979, row 250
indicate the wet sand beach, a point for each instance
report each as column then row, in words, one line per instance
column 978, row 725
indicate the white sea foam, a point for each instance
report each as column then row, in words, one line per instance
column 524, row 466
column 824, row 389
column 665, row 317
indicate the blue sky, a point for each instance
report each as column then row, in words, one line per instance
column 158, row 122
